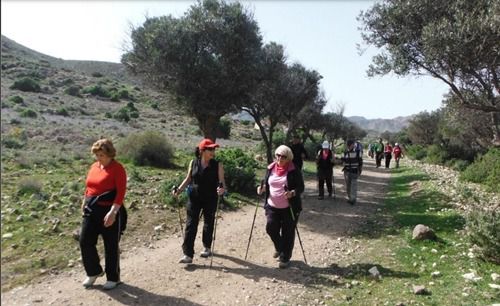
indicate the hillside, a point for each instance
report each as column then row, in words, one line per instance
column 381, row 125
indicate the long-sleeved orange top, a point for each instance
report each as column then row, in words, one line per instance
column 111, row 177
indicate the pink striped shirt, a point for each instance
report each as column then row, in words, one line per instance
column 277, row 197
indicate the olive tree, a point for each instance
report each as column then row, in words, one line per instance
column 206, row 58
column 455, row 41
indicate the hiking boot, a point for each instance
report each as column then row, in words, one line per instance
column 90, row 280
column 276, row 254
column 186, row 259
column 320, row 197
column 284, row 264
column 206, row 252
column 110, row 285
column 329, row 195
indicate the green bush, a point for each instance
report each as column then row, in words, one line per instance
column 436, row 155
column 26, row 84
column 224, row 128
column 122, row 115
column 417, row 152
column 148, row 148
column 73, row 90
column 239, row 170
column 28, row 113
column 485, row 170
column 62, row 112
column 166, row 195
column 16, row 99
column 97, row 90
column 483, row 230
column 97, row 74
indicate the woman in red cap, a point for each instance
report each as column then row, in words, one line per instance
column 202, row 182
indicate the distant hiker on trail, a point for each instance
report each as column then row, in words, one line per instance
column 359, row 147
column 299, row 152
column 379, row 152
column 398, row 153
column 353, row 165
column 387, row 154
column 203, row 177
column 283, row 185
column 324, row 165
column 103, row 214
column 371, row 150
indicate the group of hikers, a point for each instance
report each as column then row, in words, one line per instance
column 380, row 151
column 283, row 185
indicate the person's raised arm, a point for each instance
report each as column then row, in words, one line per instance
column 185, row 182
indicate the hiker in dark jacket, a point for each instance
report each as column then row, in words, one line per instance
column 387, row 154
column 379, row 152
column 283, row 186
column 353, row 166
column 299, row 152
column 202, row 179
column 324, row 165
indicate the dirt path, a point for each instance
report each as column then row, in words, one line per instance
column 152, row 276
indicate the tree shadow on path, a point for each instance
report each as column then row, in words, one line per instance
column 300, row 273
column 127, row 294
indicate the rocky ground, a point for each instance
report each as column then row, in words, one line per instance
column 152, row 276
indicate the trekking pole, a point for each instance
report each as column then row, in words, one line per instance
column 215, row 225
column 175, row 188
column 297, row 229
column 253, row 222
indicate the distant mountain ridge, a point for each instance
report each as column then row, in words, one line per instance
column 381, row 125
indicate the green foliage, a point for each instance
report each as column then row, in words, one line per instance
column 166, row 192
column 148, row 148
column 97, row 75
column 16, row 99
column 29, row 185
column 97, row 90
column 26, row 84
column 417, row 152
column 224, row 128
column 73, row 90
column 126, row 112
column 239, row 170
column 483, row 230
column 62, row 112
column 436, row 155
column 485, row 170
column 28, row 113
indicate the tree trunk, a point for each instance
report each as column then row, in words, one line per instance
column 495, row 118
column 208, row 126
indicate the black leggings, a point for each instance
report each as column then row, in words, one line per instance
column 193, row 209
column 281, row 228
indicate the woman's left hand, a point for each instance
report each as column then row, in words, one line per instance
column 220, row 191
column 290, row 194
column 109, row 219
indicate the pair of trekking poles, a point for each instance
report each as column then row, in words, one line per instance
column 216, row 216
column 293, row 219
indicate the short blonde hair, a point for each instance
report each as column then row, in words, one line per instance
column 104, row 145
column 285, row 151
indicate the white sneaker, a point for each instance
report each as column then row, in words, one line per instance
column 109, row 285
column 207, row 252
column 90, row 280
column 186, row 259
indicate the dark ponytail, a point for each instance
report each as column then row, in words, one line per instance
column 197, row 152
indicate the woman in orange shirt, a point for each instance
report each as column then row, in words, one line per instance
column 103, row 214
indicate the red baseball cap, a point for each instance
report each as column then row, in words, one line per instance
column 207, row 143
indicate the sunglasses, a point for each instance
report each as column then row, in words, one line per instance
column 209, row 149
column 281, row 156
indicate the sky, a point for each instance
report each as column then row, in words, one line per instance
column 321, row 35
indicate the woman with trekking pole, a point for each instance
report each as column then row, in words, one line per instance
column 204, row 182
column 283, row 185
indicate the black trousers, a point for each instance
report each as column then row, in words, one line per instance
column 325, row 175
column 207, row 206
column 378, row 158
column 92, row 227
column 281, row 228
column 387, row 160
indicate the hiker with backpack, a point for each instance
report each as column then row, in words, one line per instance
column 324, row 166
column 202, row 184
column 387, row 154
column 398, row 153
column 103, row 214
column 379, row 152
column 353, row 166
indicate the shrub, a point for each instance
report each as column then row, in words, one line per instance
column 26, row 84
column 97, row 90
column 62, row 112
column 16, row 99
column 485, row 170
column 436, row 155
column 97, row 74
column 483, row 230
column 239, row 170
column 29, row 185
column 122, row 115
column 166, row 189
column 224, row 129
column 73, row 90
column 148, row 148
column 417, row 152
column 28, row 113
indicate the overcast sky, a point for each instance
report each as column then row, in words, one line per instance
column 321, row 35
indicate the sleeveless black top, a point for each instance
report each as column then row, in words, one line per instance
column 205, row 181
